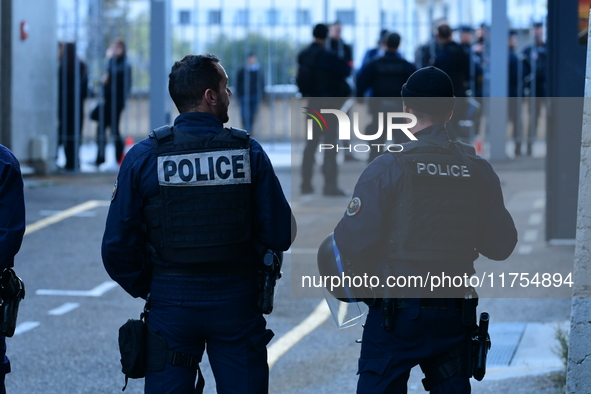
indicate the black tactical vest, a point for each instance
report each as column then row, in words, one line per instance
column 436, row 216
column 203, row 211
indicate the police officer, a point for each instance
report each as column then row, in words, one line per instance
column 384, row 76
column 377, row 51
column 192, row 207
column 453, row 60
column 322, row 73
column 432, row 207
column 12, row 228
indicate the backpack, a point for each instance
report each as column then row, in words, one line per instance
column 305, row 78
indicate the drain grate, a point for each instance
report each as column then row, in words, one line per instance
column 505, row 338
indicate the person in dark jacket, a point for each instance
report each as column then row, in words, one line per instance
column 194, row 207
column 412, row 218
column 344, row 52
column 377, row 51
column 72, row 91
column 384, row 77
column 321, row 73
column 514, row 91
column 535, row 69
column 453, row 60
column 12, row 228
column 250, row 89
column 116, row 87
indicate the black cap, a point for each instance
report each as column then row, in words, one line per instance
column 429, row 90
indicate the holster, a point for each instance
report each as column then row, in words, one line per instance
column 12, row 292
column 268, row 274
column 159, row 355
column 388, row 313
column 468, row 359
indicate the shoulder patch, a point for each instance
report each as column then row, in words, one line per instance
column 114, row 192
column 354, row 206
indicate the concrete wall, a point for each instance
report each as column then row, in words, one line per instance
column 33, row 96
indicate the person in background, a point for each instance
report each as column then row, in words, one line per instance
column 452, row 60
column 384, row 77
column 535, row 62
column 373, row 54
column 72, row 91
column 513, row 91
column 378, row 51
column 320, row 74
column 250, row 89
column 116, row 84
column 344, row 52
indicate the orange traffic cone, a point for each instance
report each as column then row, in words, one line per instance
column 478, row 146
column 128, row 144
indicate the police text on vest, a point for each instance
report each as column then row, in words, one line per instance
column 452, row 170
column 205, row 168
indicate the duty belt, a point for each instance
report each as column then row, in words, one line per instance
column 465, row 306
column 212, row 269
column 426, row 303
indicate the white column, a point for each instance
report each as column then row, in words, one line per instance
column 579, row 349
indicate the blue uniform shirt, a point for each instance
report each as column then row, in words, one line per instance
column 360, row 237
column 123, row 252
column 12, row 208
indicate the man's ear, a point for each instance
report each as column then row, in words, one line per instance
column 406, row 109
column 210, row 96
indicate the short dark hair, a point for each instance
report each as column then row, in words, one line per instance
column 444, row 31
column 190, row 77
column 320, row 31
column 393, row 41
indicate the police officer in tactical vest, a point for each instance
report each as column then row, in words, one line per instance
column 194, row 209
column 427, row 210
column 12, row 230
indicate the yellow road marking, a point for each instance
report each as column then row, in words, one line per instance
column 58, row 217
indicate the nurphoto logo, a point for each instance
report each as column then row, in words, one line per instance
column 344, row 129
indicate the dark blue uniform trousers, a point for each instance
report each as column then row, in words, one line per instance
column 235, row 335
column 4, row 365
column 418, row 335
